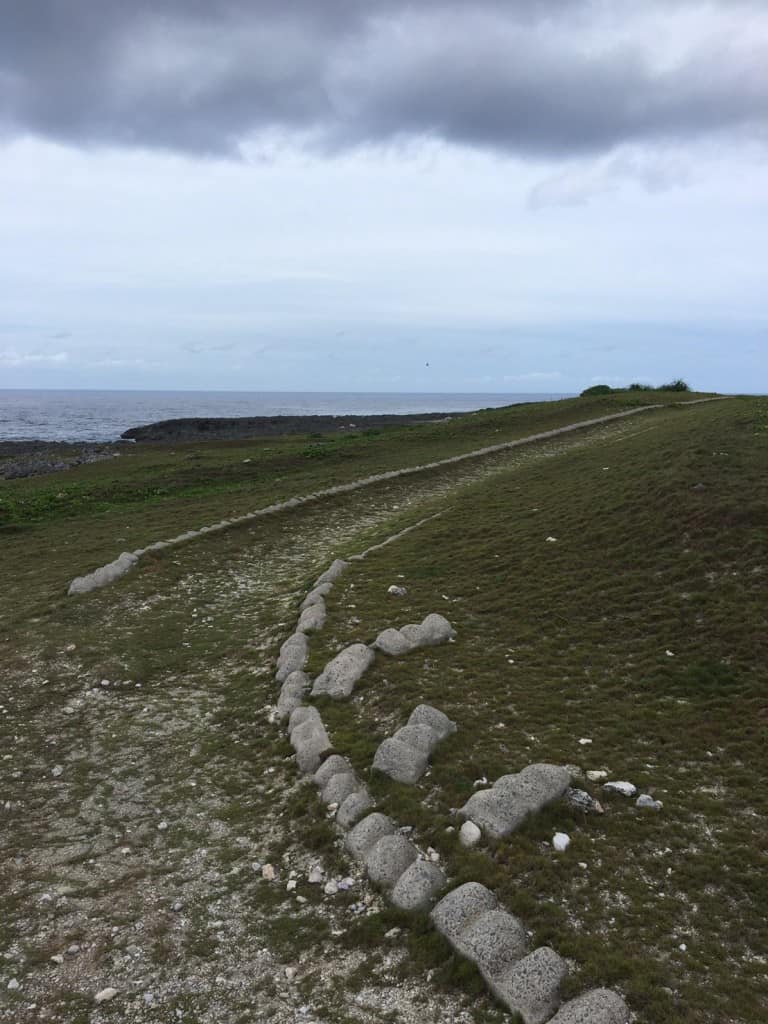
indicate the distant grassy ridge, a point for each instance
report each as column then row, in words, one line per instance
column 642, row 627
column 84, row 517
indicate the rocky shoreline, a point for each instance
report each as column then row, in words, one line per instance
column 36, row 458
column 241, row 428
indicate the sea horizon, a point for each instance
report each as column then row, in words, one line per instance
column 93, row 414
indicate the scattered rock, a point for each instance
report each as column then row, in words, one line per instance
column 561, row 841
column 331, row 888
column 316, row 874
column 597, row 775
column 268, row 873
column 105, row 995
column 645, row 800
column 580, row 800
column 469, row 834
column 623, row 788
column 13, row 985
column 395, row 591
column 57, row 771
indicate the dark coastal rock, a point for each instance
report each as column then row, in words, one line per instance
column 209, row 428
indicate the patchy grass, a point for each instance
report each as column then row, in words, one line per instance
column 641, row 628
column 180, row 735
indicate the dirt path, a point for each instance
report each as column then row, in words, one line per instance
column 140, row 803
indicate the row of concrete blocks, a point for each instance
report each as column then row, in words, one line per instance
column 342, row 673
column 113, row 571
column 404, row 756
column 470, row 916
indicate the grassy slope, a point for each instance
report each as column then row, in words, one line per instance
column 559, row 641
column 643, row 563
column 86, row 516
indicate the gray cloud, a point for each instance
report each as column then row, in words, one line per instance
column 548, row 77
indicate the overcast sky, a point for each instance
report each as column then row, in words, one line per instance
column 382, row 195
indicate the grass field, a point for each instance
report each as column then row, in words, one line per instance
column 661, row 531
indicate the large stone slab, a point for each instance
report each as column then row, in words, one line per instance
column 340, row 675
column 292, row 693
column 418, row 886
column 425, row 714
column 531, row 987
column 354, row 807
column 494, row 941
column 503, row 808
column 600, row 1006
column 388, row 858
column 400, row 762
column 459, row 907
column 367, row 832
column 293, row 656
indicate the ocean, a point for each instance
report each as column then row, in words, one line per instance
column 27, row 415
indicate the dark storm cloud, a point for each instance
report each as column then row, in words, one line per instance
column 545, row 77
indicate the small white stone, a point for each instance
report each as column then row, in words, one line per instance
column 551, row 540
column 268, row 873
column 301, row 899
column 682, row 947
column 57, row 771
column 162, row 826
column 396, row 591
column 433, row 855
column 13, row 985
column 330, row 888
column 315, row 875
column 69, row 711
column 105, row 995
column 290, row 973
column 561, row 841
column 597, row 775
column 469, row 834
column 584, row 741
column 291, row 885
column 57, row 958
column 625, row 788
column 669, row 654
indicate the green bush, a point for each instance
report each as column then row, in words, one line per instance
column 640, row 387
column 597, row 389
column 675, row 385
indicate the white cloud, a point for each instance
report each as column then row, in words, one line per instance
column 12, row 357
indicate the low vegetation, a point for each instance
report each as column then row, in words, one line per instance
column 640, row 627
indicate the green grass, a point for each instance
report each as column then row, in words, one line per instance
column 84, row 517
column 556, row 642
column 559, row 641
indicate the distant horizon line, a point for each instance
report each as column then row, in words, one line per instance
column 240, row 391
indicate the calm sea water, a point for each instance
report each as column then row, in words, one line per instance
column 104, row 415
